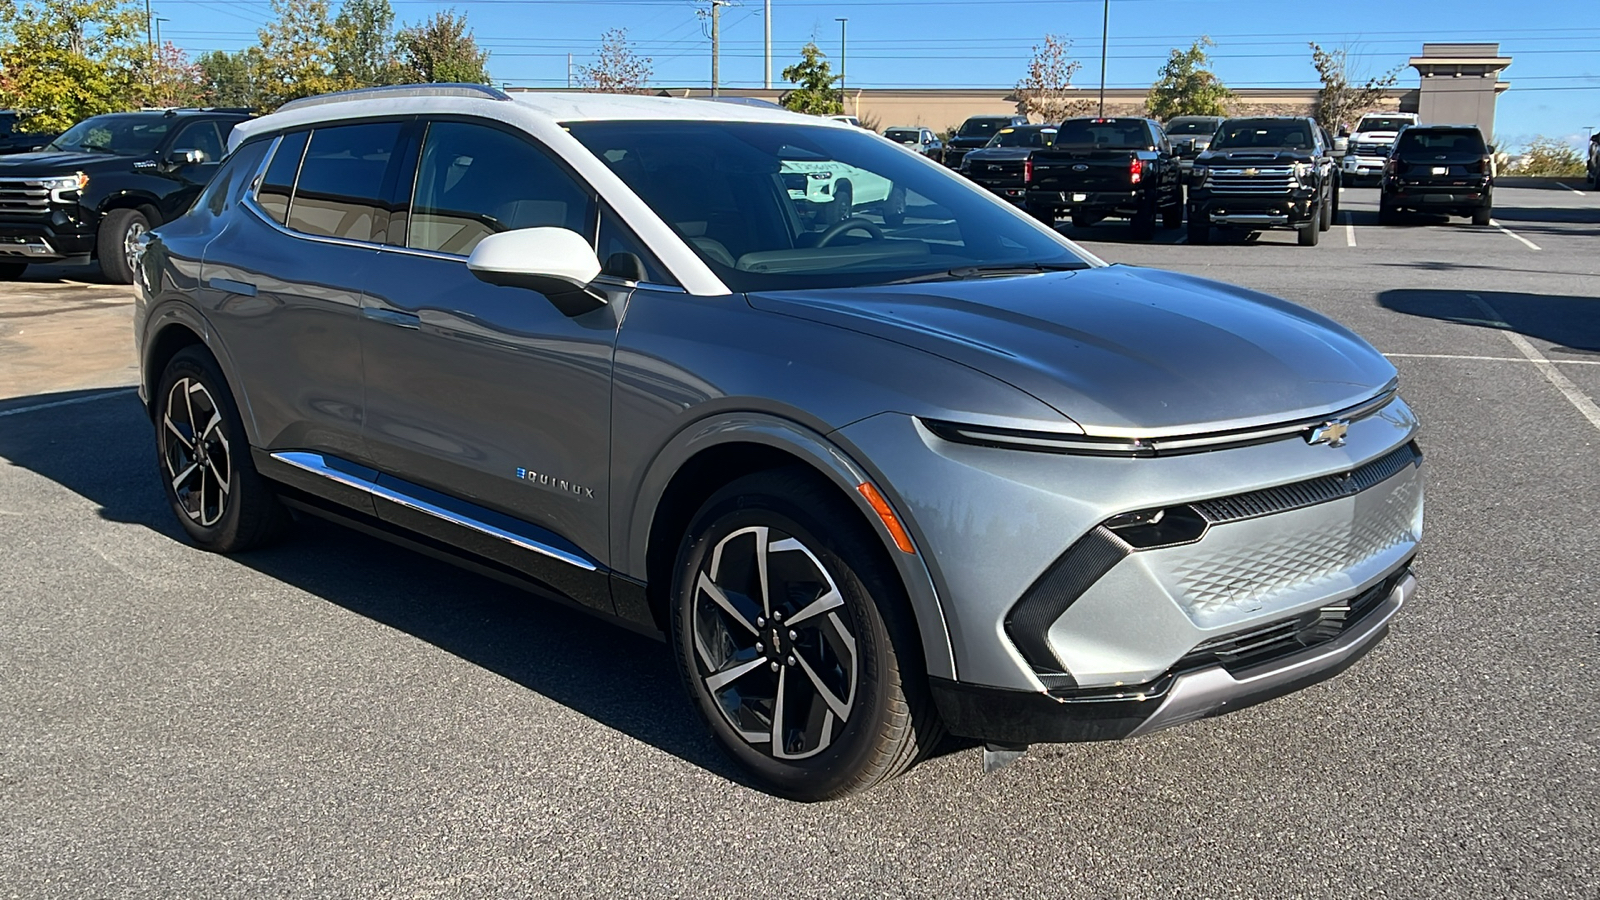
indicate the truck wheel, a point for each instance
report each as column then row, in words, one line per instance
column 1311, row 232
column 1047, row 216
column 117, row 244
column 1084, row 219
column 795, row 641
column 1144, row 222
column 1172, row 215
column 11, row 271
column 1387, row 213
column 1199, row 231
column 1325, row 217
column 1480, row 216
column 894, row 208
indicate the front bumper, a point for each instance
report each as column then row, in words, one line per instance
column 1181, row 696
column 1251, row 211
column 49, row 237
column 1364, row 166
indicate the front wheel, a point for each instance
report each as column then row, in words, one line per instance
column 11, row 271
column 210, row 482
column 894, row 208
column 119, row 246
column 1311, row 232
column 794, row 637
column 1199, row 231
column 1325, row 215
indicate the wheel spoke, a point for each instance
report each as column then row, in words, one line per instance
column 181, row 477
column 721, row 599
column 167, row 421
column 761, row 567
column 830, row 600
column 222, row 483
column 719, row 680
column 836, row 704
column 188, row 403
column 211, row 426
column 778, row 748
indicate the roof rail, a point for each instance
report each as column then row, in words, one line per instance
column 478, row 91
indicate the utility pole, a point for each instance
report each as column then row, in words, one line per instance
column 147, row 38
column 1105, row 34
column 843, row 23
column 716, row 44
column 766, row 73
column 569, row 71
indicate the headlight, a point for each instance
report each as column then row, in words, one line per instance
column 1305, row 171
column 66, row 184
column 1200, row 174
column 820, row 176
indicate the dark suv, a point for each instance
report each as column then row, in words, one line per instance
column 1439, row 169
column 93, row 191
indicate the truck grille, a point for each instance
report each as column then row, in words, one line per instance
column 1276, row 180
column 23, row 196
column 1370, row 149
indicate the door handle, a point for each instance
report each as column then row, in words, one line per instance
column 392, row 317
column 229, row 286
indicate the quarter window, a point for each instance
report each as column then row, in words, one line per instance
column 340, row 189
column 277, row 185
column 474, row 181
column 230, row 181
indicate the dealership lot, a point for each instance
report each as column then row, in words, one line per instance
column 337, row 717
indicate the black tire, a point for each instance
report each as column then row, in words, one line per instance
column 889, row 720
column 1325, row 214
column 246, row 513
column 1047, row 216
column 1199, row 231
column 118, row 231
column 1172, row 214
column 1311, row 232
column 1483, row 214
column 1144, row 221
column 894, row 208
column 1387, row 213
column 843, row 205
column 11, row 271
column 1085, row 219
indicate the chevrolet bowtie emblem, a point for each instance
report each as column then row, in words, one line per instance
column 1250, row 171
column 1331, row 433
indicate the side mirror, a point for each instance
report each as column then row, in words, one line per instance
column 186, row 157
column 1183, row 145
column 1341, row 144
column 556, row 262
column 1491, row 149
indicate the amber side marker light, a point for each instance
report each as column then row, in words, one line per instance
column 890, row 520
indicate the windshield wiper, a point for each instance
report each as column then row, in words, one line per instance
column 963, row 273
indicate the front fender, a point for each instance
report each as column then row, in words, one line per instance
column 828, row 459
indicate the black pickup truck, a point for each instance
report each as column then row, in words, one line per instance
column 1267, row 172
column 92, row 192
column 974, row 133
column 1108, row 167
column 1002, row 165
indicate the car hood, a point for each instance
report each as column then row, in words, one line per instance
column 1000, row 154
column 968, row 143
column 1255, row 156
column 45, row 163
column 1374, row 137
column 1121, row 350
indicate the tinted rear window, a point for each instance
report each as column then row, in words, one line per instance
column 1463, row 142
column 277, row 186
column 340, row 189
column 1108, row 134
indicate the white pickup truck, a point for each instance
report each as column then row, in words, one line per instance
column 1370, row 145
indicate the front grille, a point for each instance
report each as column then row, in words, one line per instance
column 794, row 181
column 1277, row 180
column 1370, row 149
column 1308, row 493
column 1263, row 643
column 23, row 196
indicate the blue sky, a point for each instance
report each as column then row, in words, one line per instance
column 981, row 43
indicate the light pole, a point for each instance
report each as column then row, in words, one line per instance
column 716, row 44
column 159, row 20
column 843, row 24
column 1105, row 34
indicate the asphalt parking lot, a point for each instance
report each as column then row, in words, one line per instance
column 334, row 717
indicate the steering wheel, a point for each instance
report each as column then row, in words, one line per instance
column 850, row 224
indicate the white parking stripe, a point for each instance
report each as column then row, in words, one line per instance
column 1570, row 188
column 1531, row 244
column 1515, row 359
column 1577, row 398
column 1349, row 228
column 27, row 409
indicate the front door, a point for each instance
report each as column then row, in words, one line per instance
column 484, row 394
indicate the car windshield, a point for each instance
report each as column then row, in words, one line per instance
column 981, row 127
column 126, row 135
column 1104, row 134
column 1381, row 123
column 1438, row 144
column 1267, row 133
column 1192, row 126
column 772, row 206
column 1023, row 137
column 902, row 135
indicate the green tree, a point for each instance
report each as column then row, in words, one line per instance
column 65, row 60
column 1046, row 92
column 364, row 47
column 442, row 49
column 233, row 79
column 173, row 80
column 297, row 53
column 618, row 69
column 1340, row 103
column 1550, row 158
column 1187, row 86
column 816, row 93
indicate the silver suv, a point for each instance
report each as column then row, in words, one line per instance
column 922, row 467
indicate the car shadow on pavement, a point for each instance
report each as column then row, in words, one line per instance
column 102, row 449
column 1571, row 324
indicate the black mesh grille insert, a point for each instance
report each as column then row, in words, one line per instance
column 1308, row 493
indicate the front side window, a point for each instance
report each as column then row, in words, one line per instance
column 773, row 206
column 340, row 189
column 474, row 181
column 277, row 185
column 200, row 136
column 125, row 134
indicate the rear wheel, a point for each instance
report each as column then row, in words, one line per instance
column 894, row 208
column 11, row 271
column 1482, row 214
column 1388, row 214
column 1144, row 221
column 1199, row 231
column 1311, row 232
column 1047, row 216
column 1085, row 219
column 794, row 637
column 1172, row 214
column 209, row 480
column 118, row 244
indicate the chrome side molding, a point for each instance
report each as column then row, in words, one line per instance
column 318, row 464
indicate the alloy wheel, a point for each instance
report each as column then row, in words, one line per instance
column 195, row 451
column 131, row 249
column 772, row 643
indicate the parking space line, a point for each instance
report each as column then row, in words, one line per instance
column 1570, row 188
column 1349, row 228
column 38, row 406
column 1531, row 244
column 1577, row 398
column 1515, row 359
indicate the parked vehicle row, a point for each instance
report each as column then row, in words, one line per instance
column 1098, row 168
